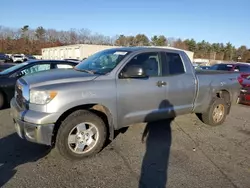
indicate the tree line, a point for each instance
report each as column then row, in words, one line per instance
column 30, row 41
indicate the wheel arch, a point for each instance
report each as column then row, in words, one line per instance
column 99, row 109
column 224, row 94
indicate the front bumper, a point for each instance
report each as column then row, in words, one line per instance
column 38, row 133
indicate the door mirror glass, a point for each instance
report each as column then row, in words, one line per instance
column 134, row 71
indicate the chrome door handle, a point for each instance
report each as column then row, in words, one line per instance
column 161, row 83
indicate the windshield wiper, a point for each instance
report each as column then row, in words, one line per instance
column 84, row 70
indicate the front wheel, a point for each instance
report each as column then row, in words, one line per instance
column 216, row 113
column 81, row 134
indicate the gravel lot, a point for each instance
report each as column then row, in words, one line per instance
column 187, row 154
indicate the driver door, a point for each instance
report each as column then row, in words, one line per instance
column 141, row 99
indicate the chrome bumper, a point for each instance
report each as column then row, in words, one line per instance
column 41, row 134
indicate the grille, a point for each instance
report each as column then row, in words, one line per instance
column 19, row 95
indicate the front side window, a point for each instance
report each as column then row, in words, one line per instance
column 35, row 68
column 102, row 62
column 149, row 61
column 175, row 64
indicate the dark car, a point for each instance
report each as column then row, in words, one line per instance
column 4, row 66
column 4, row 58
column 28, row 57
column 9, row 76
column 205, row 67
column 202, row 67
column 237, row 67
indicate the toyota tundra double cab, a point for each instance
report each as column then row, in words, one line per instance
column 76, row 111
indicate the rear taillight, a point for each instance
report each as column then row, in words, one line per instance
column 244, row 75
column 240, row 79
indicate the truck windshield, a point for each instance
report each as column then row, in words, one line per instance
column 102, row 62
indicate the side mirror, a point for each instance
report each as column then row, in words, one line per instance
column 134, row 71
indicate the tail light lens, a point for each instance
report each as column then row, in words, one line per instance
column 245, row 75
column 240, row 80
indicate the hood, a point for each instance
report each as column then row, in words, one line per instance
column 57, row 76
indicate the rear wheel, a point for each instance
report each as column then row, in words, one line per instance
column 216, row 113
column 82, row 134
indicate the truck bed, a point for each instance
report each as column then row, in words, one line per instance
column 212, row 80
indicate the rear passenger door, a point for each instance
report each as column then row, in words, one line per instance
column 180, row 83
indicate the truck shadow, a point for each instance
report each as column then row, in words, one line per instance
column 15, row 152
column 158, row 142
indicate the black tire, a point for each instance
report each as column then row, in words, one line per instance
column 1, row 100
column 68, row 125
column 207, row 117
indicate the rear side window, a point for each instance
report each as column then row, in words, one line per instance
column 64, row 66
column 244, row 68
column 175, row 64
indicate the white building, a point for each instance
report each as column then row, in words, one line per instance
column 76, row 51
column 80, row 51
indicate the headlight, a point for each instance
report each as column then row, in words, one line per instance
column 41, row 97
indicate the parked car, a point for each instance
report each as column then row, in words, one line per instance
column 245, row 80
column 244, row 97
column 202, row 67
column 76, row 60
column 4, row 58
column 242, row 68
column 28, row 57
column 205, row 67
column 237, row 67
column 16, row 58
column 77, row 110
column 4, row 66
column 8, row 77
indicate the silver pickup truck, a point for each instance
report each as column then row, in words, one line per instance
column 77, row 110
